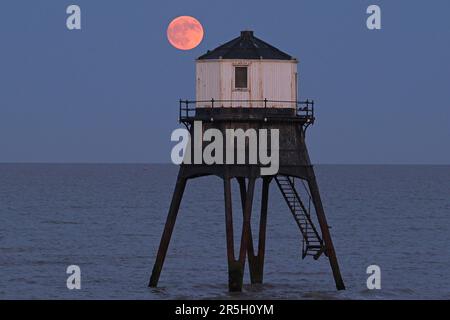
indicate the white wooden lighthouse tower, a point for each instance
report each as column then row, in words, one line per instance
column 254, row 76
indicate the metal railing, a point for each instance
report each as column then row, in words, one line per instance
column 187, row 111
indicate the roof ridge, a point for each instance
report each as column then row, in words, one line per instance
column 272, row 47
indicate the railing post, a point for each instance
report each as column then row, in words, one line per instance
column 300, row 109
column 265, row 108
column 309, row 110
column 179, row 116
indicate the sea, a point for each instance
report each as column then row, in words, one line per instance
column 107, row 219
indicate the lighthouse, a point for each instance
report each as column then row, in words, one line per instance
column 247, row 97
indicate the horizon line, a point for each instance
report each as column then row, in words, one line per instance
column 169, row 163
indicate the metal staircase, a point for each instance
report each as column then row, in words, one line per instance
column 312, row 242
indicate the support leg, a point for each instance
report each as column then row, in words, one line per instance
column 167, row 234
column 235, row 270
column 250, row 249
column 257, row 267
column 236, row 267
column 330, row 252
column 256, row 261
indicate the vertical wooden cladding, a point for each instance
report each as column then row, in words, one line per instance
column 267, row 79
column 208, row 82
column 278, row 82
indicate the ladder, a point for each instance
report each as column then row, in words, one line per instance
column 312, row 242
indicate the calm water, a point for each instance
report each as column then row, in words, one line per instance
column 108, row 220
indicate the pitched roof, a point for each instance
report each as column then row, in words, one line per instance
column 246, row 46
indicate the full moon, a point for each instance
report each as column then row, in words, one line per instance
column 185, row 33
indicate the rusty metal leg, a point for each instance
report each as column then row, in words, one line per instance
column 257, row 269
column 246, row 223
column 250, row 249
column 167, row 234
column 256, row 261
column 330, row 252
column 236, row 267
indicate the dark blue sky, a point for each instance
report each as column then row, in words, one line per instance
column 109, row 93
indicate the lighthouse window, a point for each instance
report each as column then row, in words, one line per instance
column 240, row 77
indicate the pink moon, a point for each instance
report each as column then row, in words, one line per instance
column 185, row 33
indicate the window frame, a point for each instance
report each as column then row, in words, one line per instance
column 246, row 88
